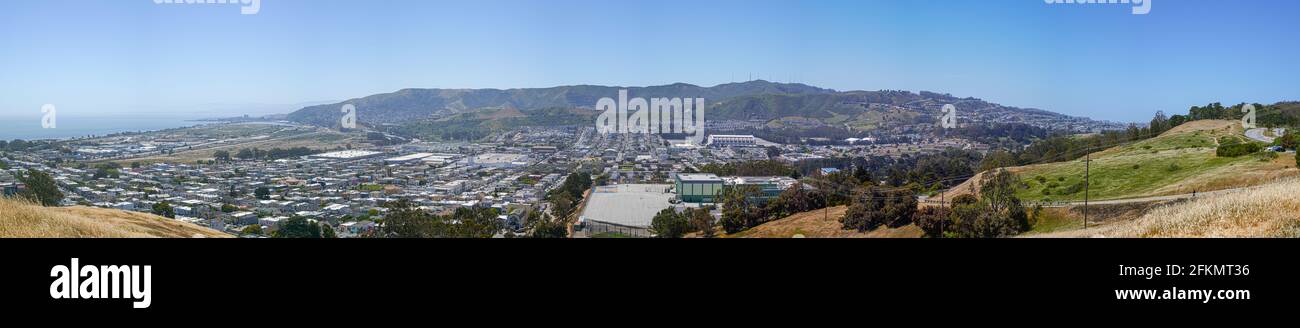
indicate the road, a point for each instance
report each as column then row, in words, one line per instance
column 1258, row 134
column 1127, row 200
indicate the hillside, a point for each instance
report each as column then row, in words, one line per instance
column 1268, row 211
column 753, row 100
column 821, row 224
column 409, row 104
column 1180, row 161
column 19, row 219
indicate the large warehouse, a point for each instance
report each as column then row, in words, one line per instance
column 719, row 140
column 631, row 205
column 698, row 187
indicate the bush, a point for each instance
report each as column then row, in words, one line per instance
column 1238, row 150
column 1172, row 168
column 1074, row 188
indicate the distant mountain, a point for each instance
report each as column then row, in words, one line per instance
column 750, row 101
column 413, row 104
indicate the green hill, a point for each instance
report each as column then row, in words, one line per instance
column 1180, row 161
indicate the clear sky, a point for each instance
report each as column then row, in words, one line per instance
column 134, row 56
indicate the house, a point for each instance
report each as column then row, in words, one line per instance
column 244, row 218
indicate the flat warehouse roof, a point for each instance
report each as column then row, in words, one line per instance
column 699, row 177
column 630, row 204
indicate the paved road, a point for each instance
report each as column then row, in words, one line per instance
column 1258, row 134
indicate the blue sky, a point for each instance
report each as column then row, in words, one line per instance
column 134, row 56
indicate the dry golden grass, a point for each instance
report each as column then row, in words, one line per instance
column 21, row 219
column 1270, row 211
column 820, row 224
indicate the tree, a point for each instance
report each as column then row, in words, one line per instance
column 562, row 205
column 668, row 224
column 41, row 189
column 221, row 156
column 252, row 230
column 1160, row 123
column 227, row 208
column 262, row 193
column 740, row 208
column 794, row 200
column 541, row 227
column 405, row 220
column 107, row 170
column 1297, row 159
column 998, row 213
column 164, row 209
column 997, row 159
column 245, row 154
column 703, row 221
column 876, row 207
column 297, row 227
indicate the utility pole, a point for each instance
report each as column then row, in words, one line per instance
column 1087, row 185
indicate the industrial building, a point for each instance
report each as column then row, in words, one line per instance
column 720, row 140
column 498, row 160
column 408, row 158
column 771, row 187
column 698, row 188
column 630, row 205
column 348, row 155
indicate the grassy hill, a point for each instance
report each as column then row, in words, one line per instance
column 19, row 219
column 821, row 224
column 1177, row 162
column 1268, row 211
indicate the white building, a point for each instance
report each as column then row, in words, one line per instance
column 722, row 140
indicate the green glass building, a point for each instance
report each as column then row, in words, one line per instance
column 698, row 188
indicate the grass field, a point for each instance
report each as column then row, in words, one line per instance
column 21, row 219
column 1179, row 162
column 1269, row 211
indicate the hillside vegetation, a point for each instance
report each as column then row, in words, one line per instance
column 821, row 224
column 1180, row 161
column 20, row 219
column 1268, row 211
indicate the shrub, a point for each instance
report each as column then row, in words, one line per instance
column 1238, row 150
column 1172, row 168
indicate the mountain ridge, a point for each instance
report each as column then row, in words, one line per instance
column 752, row 100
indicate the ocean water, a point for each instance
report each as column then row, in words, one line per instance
column 29, row 127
